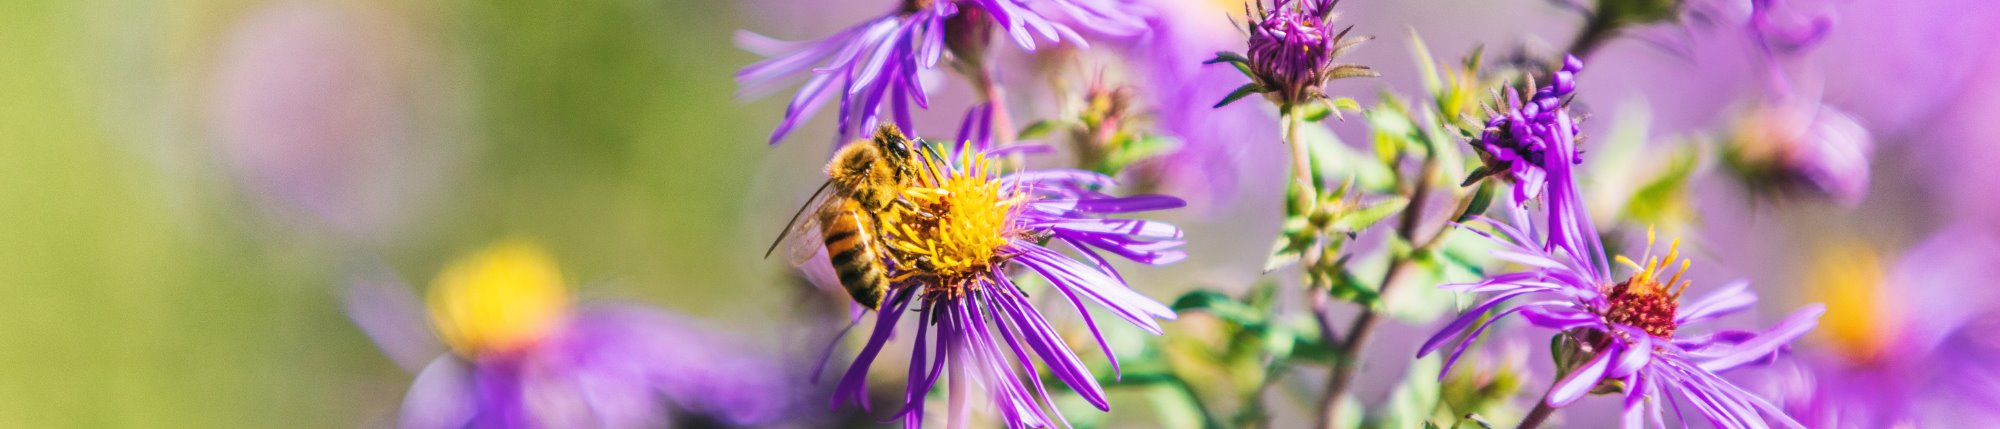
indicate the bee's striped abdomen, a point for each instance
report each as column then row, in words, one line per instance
column 850, row 247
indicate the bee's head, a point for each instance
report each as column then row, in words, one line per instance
column 892, row 143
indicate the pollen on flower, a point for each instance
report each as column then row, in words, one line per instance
column 1644, row 301
column 954, row 226
column 499, row 300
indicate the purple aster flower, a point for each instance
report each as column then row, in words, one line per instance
column 1291, row 52
column 1628, row 335
column 522, row 356
column 1911, row 347
column 956, row 242
column 879, row 61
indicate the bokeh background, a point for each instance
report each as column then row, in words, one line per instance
column 186, row 187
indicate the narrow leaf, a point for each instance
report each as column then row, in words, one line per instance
column 1239, row 93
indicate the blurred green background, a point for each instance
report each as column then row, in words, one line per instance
column 148, row 284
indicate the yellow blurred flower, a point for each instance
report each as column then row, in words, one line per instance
column 1848, row 277
column 502, row 299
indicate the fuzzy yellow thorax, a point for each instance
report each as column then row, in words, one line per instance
column 956, row 223
column 499, row 300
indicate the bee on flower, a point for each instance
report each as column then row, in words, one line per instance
column 953, row 248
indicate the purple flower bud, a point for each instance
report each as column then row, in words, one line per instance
column 1292, row 49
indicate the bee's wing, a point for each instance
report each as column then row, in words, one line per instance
column 805, row 239
column 801, row 234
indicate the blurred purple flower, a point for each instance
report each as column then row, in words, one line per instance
column 1787, row 148
column 1178, row 89
column 1631, row 332
column 963, row 234
column 307, row 111
column 524, row 358
column 883, row 57
column 1910, row 348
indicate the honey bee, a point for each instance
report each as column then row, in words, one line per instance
column 862, row 181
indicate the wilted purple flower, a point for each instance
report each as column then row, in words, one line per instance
column 523, row 357
column 1801, row 148
column 1533, row 140
column 1911, row 346
column 882, row 57
column 1628, row 335
column 955, row 244
column 1291, row 52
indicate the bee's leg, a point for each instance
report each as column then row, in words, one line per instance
column 912, row 207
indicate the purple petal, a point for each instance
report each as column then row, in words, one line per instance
column 394, row 318
column 1634, row 356
column 1070, row 276
column 441, row 397
column 1138, row 203
column 1728, row 300
column 1465, row 318
column 1580, row 382
column 1769, row 342
column 854, row 383
column 1054, row 352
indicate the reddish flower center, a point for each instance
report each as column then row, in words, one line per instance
column 1646, row 306
column 1649, row 299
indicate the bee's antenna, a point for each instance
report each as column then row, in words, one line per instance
column 795, row 218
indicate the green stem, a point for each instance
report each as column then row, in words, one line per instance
column 1301, row 167
column 1597, row 30
column 1541, row 412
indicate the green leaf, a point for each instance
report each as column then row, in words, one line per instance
column 1315, row 112
column 1345, row 71
column 1361, row 219
column 1414, row 402
column 1220, row 305
column 1346, row 287
column 1240, row 92
column 1426, row 63
column 1664, row 199
column 1481, row 199
column 1346, row 103
column 1040, row 129
column 1291, row 244
column 1132, row 150
column 1227, row 56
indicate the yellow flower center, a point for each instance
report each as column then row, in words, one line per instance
column 499, row 300
column 954, row 225
column 1848, row 278
column 1644, row 301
